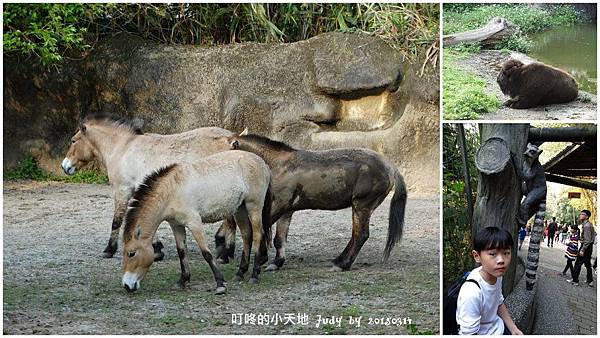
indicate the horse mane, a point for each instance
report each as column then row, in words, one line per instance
column 267, row 142
column 134, row 125
column 140, row 195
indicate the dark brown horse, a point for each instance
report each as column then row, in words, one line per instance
column 326, row 180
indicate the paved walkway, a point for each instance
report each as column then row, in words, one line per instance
column 555, row 296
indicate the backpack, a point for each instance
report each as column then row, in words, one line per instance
column 450, row 326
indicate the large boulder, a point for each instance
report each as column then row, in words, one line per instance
column 333, row 90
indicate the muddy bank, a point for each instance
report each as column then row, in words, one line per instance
column 488, row 63
column 55, row 281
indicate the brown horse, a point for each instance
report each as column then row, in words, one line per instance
column 327, row 180
column 129, row 155
column 232, row 183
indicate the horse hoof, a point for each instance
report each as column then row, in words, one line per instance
column 336, row 268
column 222, row 260
column 253, row 280
column 159, row 256
column 108, row 254
column 238, row 278
column 220, row 290
column 272, row 267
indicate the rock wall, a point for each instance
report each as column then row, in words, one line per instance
column 334, row 90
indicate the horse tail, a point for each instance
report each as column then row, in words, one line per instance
column 396, row 220
column 266, row 214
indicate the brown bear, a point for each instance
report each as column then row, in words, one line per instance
column 535, row 84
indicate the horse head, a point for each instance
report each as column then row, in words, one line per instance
column 81, row 151
column 138, row 255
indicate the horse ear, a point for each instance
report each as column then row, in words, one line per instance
column 138, row 233
column 235, row 144
column 82, row 127
column 244, row 132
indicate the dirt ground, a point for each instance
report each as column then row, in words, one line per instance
column 56, row 282
column 488, row 63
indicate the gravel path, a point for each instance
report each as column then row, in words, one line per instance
column 562, row 309
column 55, row 281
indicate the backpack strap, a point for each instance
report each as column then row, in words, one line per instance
column 473, row 281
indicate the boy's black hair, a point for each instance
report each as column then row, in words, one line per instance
column 574, row 226
column 492, row 238
column 587, row 212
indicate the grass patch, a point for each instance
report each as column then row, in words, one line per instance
column 29, row 169
column 465, row 96
column 528, row 19
column 414, row 330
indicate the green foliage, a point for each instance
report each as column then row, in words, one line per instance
column 527, row 18
column 414, row 330
column 82, row 176
column 48, row 32
column 29, row 169
column 465, row 96
column 456, row 230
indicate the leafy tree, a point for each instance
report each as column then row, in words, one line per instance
column 456, row 229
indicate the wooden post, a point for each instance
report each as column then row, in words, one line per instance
column 499, row 161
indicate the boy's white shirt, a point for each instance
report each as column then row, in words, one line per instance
column 477, row 309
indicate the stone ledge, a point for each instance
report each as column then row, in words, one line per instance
column 521, row 303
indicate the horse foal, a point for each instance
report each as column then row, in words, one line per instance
column 232, row 183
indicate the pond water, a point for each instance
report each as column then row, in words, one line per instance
column 572, row 49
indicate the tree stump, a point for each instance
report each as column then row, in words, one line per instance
column 499, row 161
column 489, row 35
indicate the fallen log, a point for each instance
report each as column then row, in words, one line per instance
column 489, row 35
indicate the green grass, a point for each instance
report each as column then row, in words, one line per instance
column 414, row 330
column 29, row 169
column 465, row 96
column 528, row 19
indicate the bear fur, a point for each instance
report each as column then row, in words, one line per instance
column 535, row 84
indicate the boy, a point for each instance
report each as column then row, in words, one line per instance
column 480, row 308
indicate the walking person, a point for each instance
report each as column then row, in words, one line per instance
column 572, row 250
column 551, row 232
column 522, row 234
column 584, row 257
column 564, row 233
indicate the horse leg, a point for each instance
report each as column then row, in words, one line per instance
column 360, row 234
column 182, row 252
column 120, row 200
column 225, row 241
column 198, row 233
column 255, row 215
column 280, row 241
column 242, row 221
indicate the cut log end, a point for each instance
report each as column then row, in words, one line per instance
column 493, row 156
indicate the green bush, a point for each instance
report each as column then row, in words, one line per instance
column 465, row 96
column 49, row 32
column 82, row 176
column 29, row 169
